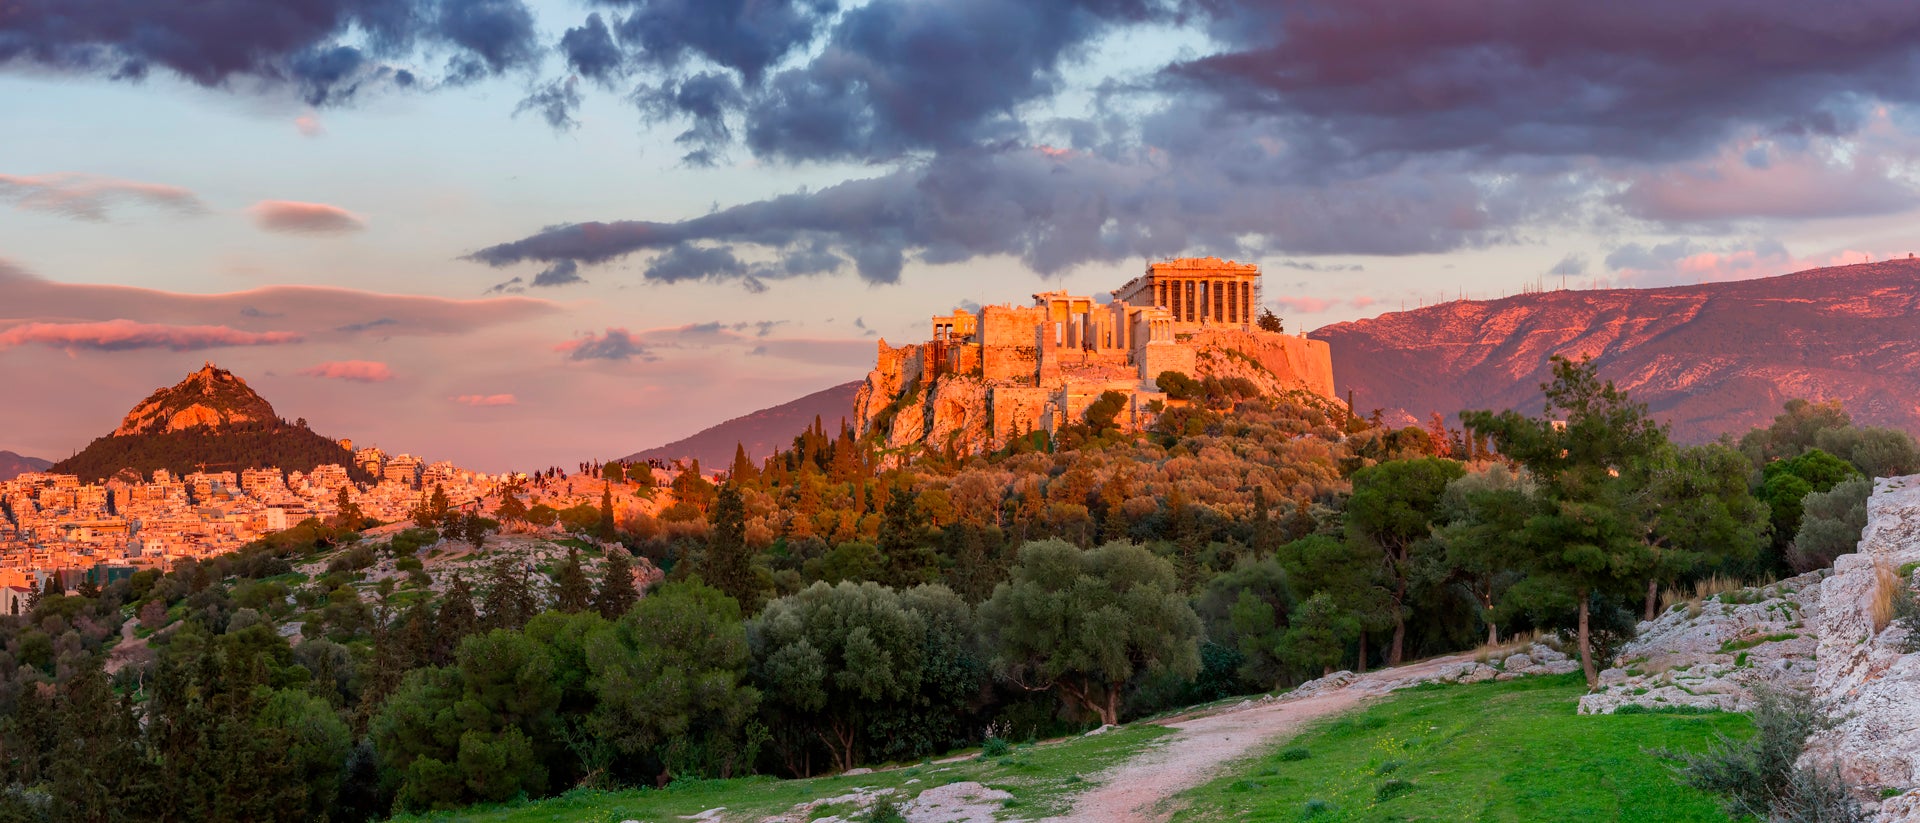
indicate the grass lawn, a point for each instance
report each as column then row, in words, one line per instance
column 1513, row 751
column 1043, row 780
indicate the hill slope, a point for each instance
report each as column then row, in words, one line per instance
column 13, row 465
column 1713, row 358
column 762, row 431
column 210, row 420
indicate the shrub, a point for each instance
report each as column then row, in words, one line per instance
column 1392, row 789
column 1295, row 754
column 1758, row 776
column 1316, row 807
column 995, row 747
column 885, row 810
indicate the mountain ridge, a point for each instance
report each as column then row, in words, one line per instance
column 761, row 432
column 1708, row 359
column 13, row 465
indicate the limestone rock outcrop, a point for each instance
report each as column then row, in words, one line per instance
column 209, row 398
column 1870, row 684
column 1713, row 652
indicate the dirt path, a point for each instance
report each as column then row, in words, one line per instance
column 1140, row 790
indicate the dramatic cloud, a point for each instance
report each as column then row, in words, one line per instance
column 88, row 197
column 1573, row 265
column 359, row 371
column 1768, row 179
column 291, row 217
column 1052, row 213
column 1633, row 78
column 554, row 102
column 616, row 344
column 325, row 51
column 125, row 335
column 314, row 311
column 485, row 400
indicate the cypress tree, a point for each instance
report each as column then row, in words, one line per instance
column 606, row 512
column 727, row 566
column 572, row 591
column 617, row 594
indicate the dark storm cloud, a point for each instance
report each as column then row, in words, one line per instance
column 1052, row 212
column 325, row 50
column 900, row 76
column 1645, row 79
column 591, row 52
column 746, row 36
column 704, row 99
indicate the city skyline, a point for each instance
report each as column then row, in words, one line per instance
column 516, row 235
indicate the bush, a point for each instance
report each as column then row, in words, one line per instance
column 885, row 810
column 1294, row 755
column 1392, row 789
column 995, row 747
column 1758, row 776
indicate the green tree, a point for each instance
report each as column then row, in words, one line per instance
column 510, row 600
column 457, row 619
column 617, row 593
column 1103, row 414
column 1698, row 514
column 1830, row 524
column 511, row 509
column 1085, row 623
column 669, row 682
column 1484, row 535
column 728, row 565
column 1393, row 509
column 478, row 731
column 1317, row 637
column 349, row 516
column 903, row 541
column 1247, row 608
column 605, row 529
column 572, row 591
column 1592, row 452
column 835, row 657
column 1269, row 321
column 1349, row 572
column 1785, row 483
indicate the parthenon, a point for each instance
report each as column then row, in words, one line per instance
column 1198, row 291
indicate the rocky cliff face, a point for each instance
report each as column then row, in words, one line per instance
column 1713, row 358
column 911, row 405
column 1865, row 676
column 211, row 398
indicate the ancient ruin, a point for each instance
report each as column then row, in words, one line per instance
column 998, row 372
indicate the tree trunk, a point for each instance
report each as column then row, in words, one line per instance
column 1110, row 714
column 1493, row 634
column 1399, row 641
column 1586, row 647
column 1363, row 652
column 1653, row 598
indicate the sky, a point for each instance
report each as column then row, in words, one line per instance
column 516, row 234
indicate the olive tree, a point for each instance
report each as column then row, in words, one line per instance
column 1084, row 623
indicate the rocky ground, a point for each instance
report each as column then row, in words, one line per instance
column 1712, row 652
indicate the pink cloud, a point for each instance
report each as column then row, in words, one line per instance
column 1305, row 305
column 360, row 371
column 293, row 217
column 486, row 400
column 88, row 196
column 309, row 124
column 1683, row 262
column 123, row 335
column 1763, row 178
column 318, row 311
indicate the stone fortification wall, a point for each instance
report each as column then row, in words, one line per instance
column 1290, row 359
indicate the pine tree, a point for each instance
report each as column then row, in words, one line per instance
column 743, row 470
column 438, row 506
column 456, row 620
column 617, row 593
column 510, row 601
column 511, row 509
column 572, row 591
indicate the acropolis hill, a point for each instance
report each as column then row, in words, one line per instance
column 1002, row 371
